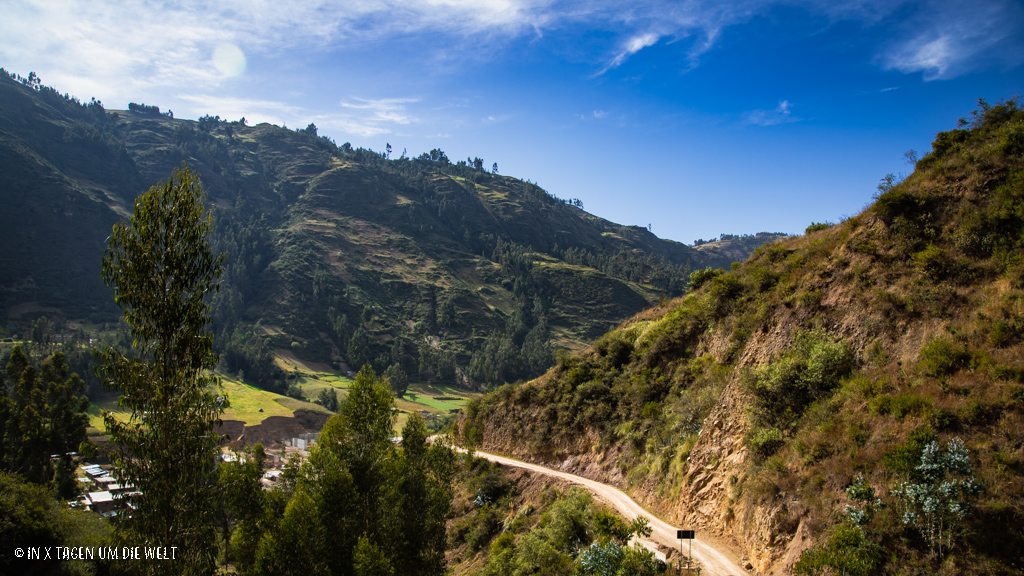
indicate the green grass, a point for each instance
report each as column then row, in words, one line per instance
column 293, row 404
column 96, row 427
column 312, row 386
column 443, row 405
column 246, row 402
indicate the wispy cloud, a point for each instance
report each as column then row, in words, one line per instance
column 370, row 117
column 138, row 49
column 941, row 38
column 359, row 116
column 631, row 46
column 782, row 114
column 103, row 48
column 254, row 110
column 592, row 115
column 948, row 39
column 384, row 110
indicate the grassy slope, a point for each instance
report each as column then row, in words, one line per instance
column 921, row 300
column 394, row 235
column 246, row 402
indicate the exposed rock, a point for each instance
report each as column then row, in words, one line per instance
column 801, row 541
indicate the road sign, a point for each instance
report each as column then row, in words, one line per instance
column 685, row 535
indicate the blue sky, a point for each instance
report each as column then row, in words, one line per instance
column 697, row 118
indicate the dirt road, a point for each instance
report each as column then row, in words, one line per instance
column 713, row 562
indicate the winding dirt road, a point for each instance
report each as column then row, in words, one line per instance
column 713, row 562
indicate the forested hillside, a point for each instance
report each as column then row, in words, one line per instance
column 849, row 401
column 431, row 268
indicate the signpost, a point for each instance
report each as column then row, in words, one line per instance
column 685, row 535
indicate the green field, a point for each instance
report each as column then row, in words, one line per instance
column 96, row 427
column 246, row 400
column 418, row 397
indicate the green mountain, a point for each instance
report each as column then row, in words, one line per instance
column 849, row 401
column 441, row 269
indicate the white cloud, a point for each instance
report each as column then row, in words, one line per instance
column 631, row 46
column 361, row 117
column 949, row 39
column 253, row 110
column 136, row 49
column 141, row 50
column 389, row 110
column 368, row 117
column 781, row 115
column 351, row 126
column 941, row 38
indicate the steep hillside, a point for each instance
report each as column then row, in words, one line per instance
column 439, row 268
column 733, row 247
column 877, row 358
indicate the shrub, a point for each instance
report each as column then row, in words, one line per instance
column 1007, row 372
column 933, row 262
column 945, row 141
column 979, row 413
column 764, row 279
column 816, row 226
column 942, row 419
column 940, row 358
column 615, row 350
column 811, row 298
column 895, row 202
column 1005, row 333
column 810, row 371
column 766, row 442
column 866, row 247
column 699, row 277
column 846, row 551
column 775, row 252
column 485, row 525
column 724, row 288
column 900, row 405
column 904, row 458
column 858, row 434
column 490, row 486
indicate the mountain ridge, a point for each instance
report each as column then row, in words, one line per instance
column 339, row 254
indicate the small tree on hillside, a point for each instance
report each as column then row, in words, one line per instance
column 938, row 505
column 328, row 398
